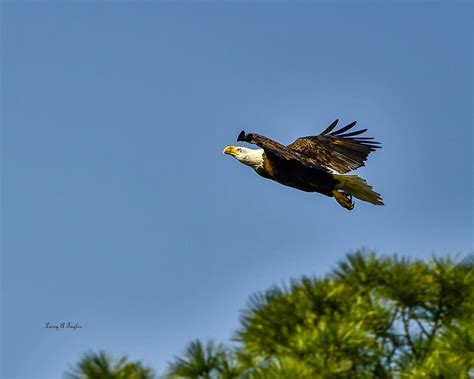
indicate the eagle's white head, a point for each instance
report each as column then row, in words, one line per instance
column 249, row 157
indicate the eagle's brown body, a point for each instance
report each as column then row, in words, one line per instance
column 297, row 176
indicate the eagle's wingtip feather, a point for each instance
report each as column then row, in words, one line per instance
column 330, row 127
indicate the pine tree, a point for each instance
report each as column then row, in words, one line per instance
column 102, row 366
column 371, row 317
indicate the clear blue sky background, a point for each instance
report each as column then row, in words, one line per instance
column 120, row 211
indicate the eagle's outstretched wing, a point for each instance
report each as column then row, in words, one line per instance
column 339, row 151
column 275, row 149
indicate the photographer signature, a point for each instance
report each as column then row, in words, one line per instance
column 62, row 325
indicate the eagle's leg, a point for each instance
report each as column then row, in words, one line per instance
column 344, row 199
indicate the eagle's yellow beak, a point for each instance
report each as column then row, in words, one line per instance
column 231, row 150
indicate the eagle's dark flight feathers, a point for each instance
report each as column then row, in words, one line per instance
column 339, row 151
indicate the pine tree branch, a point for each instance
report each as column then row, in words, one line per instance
column 422, row 328
column 406, row 327
column 387, row 337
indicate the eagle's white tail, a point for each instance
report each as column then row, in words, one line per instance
column 353, row 185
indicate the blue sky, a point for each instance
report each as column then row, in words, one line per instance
column 120, row 211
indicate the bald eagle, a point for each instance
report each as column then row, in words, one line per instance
column 314, row 163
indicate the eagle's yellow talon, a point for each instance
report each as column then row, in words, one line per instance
column 344, row 199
